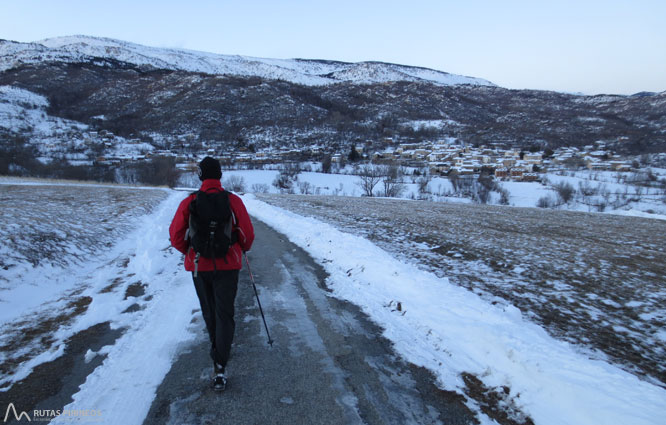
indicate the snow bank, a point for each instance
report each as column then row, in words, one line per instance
column 124, row 386
column 450, row 330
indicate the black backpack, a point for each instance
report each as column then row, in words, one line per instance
column 210, row 227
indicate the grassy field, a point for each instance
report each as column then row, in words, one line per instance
column 595, row 280
column 54, row 237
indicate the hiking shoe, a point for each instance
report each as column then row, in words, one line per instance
column 220, row 382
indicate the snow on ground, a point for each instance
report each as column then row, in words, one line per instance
column 452, row 331
column 522, row 194
column 97, row 254
column 106, row 251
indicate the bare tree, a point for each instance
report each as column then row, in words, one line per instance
column 423, row 183
column 391, row 180
column 454, row 178
column 326, row 164
column 369, row 177
column 481, row 194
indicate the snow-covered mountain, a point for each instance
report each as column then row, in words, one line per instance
column 75, row 49
column 241, row 103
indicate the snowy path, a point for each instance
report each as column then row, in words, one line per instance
column 328, row 365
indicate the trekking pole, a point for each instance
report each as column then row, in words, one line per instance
column 270, row 341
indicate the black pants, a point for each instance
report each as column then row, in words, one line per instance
column 217, row 293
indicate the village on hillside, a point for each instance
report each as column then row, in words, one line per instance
column 439, row 158
column 504, row 164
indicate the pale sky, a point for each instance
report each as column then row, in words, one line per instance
column 588, row 46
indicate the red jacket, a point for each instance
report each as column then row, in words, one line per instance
column 242, row 225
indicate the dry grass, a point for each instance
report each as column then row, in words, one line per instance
column 595, row 280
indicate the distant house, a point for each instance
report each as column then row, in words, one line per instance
column 530, row 177
column 509, row 162
column 501, row 173
column 511, row 154
column 620, row 166
column 599, row 154
column 439, row 168
column 387, row 154
column 468, row 167
column 420, row 153
column 595, row 164
column 436, row 156
column 533, row 158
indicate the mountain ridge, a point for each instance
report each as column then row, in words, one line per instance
column 312, row 72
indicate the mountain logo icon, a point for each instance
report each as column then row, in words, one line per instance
column 18, row 417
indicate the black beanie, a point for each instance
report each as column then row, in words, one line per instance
column 209, row 168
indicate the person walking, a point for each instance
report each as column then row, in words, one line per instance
column 215, row 275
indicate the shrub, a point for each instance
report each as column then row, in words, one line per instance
column 235, row 183
column 504, row 196
column 565, row 191
column 287, row 177
column 259, row 188
column 283, row 182
column 545, row 202
column 305, row 187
